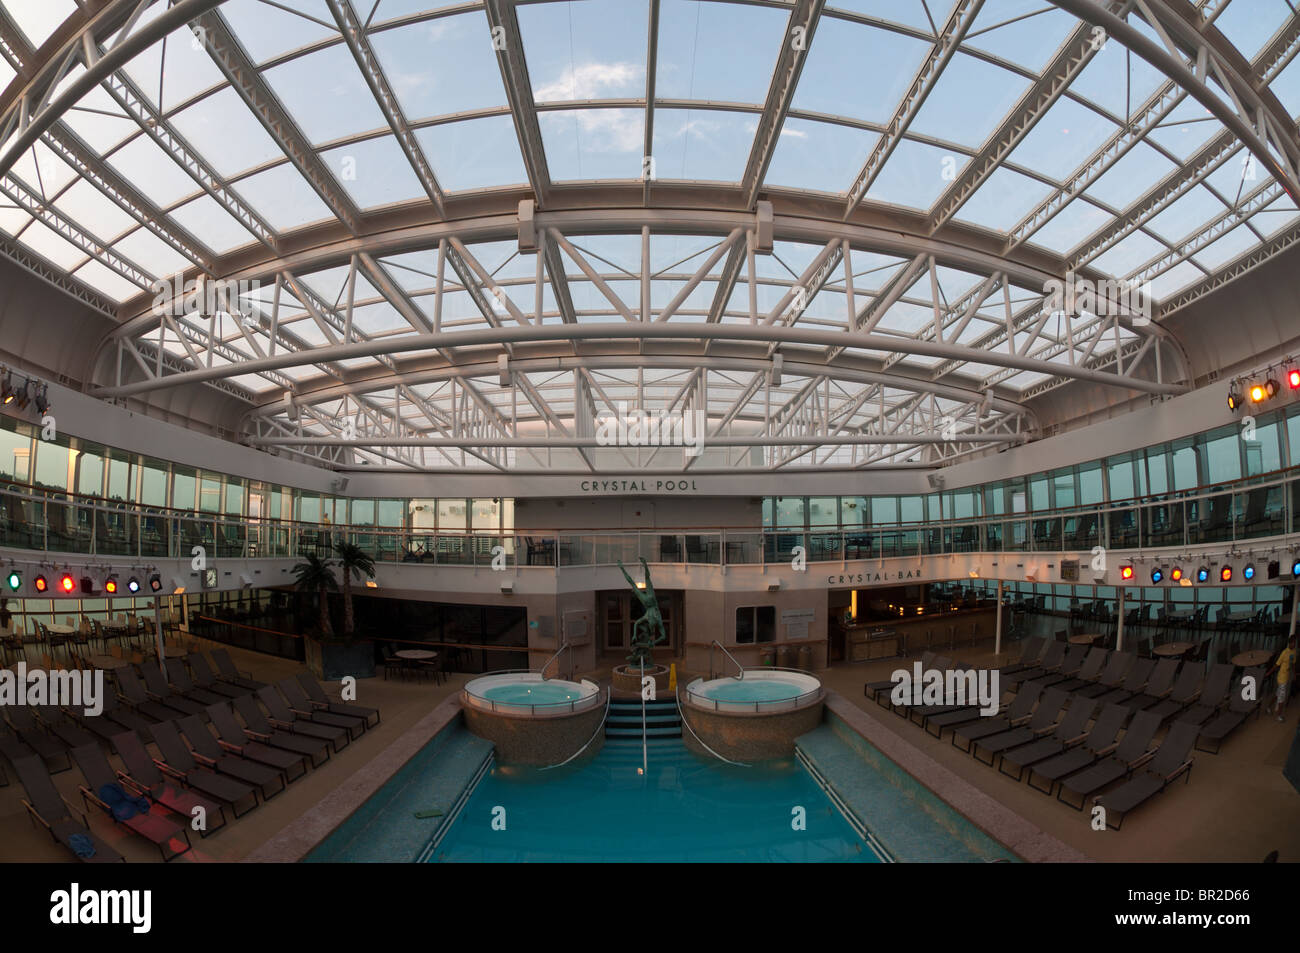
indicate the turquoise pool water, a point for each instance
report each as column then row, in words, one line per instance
column 753, row 690
column 531, row 693
column 685, row 808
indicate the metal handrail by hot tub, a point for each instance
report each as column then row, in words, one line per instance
column 588, row 700
column 756, row 707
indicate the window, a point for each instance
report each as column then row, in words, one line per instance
column 853, row 512
column 822, row 512
column 755, row 624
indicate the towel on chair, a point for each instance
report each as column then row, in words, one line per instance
column 122, row 805
column 82, row 846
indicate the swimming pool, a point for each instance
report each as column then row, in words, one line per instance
column 759, row 691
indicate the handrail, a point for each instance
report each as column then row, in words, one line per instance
column 547, row 664
column 739, row 677
column 682, row 715
column 645, row 748
column 599, row 728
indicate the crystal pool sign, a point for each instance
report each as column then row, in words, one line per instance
column 612, row 487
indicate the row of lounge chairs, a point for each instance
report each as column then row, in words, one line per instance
column 209, row 762
column 1043, row 731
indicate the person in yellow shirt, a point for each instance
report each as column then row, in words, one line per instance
column 1285, row 666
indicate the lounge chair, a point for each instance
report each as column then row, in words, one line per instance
column 205, row 678
column 1172, row 759
column 1186, row 690
column 227, row 672
column 1239, row 708
column 263, row 730
column 1157, row 688
column 244, row 743
column 874, row 690
column 161, row 692
column 179, row 677
column 283, row 716
column 1088, row 672
column 1070, row 731
column 135, row 695
column 52, row 751
column 302, row 706
column 1217, row 685
column 178, row 761
column 1050, row 662
column 114, row 719
column 171, row 839
column 59, row 724
column 1030, row 651
column 1019, row 710
column 208, row 753
column 1044, row 719
column 144, row 774
column 318, row 698
column 1133, row 747
column 1069, row 667
column 47, row 807
column 1099, row 743
column 942, row 664
column 1135, row 681
column 12, row 747
column 1112, row 676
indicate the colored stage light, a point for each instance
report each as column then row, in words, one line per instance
column 1126, row 573
column 1157, row 575
column 1249, row 572
column 1203, row 574
column 41, row 584
column 1176, row 574
column 1225, row 574
column 1271, row 387
column 110, row 585
column 67, row 584
column 15, row 580
column 1234, row 396
column 1295, row 568
column 1293, row 378
column 155, row 582
column 133, row 585
column 1257, row 393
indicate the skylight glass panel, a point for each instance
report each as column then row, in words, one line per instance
column 1126, row 257
column 476, row 153
column 592, row 50
column 1250, row 24
column 86, row 204
column 1070, row 226
column 1025, row 32
column 702, row 144
column 42, row 170
column 50, row 245
column 6, row 73
column 375, row 172
column 1186, row 128
column 441, row 66
column 266, row 30
column 12, row 220
column 907, row 318
column 907, row 12
column 717, row 51
column 606, row 252
column 969, row 101
column 223, row 130
column 820, row 156
column 594, row 143
column 153, row 172
column 914, row 176
column 106, row 281
column 1277, row 215
column 1129, row 178
column 1186, row 214
column 1063, row 139
column 99, row 131
column 1238, row 175
column 1286, row 87
column 880, row 61
column 332, row 283
column 38, row 21
column 206, row 220
column 174, row 69
column 151, row 253
column 1003, row 199
column 1231, row 246
column 1175, row 279
column 283, row 198
column 326, row 95
column 1117, row 82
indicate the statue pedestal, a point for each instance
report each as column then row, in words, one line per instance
column 627, row 678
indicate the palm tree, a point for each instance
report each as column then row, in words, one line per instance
column 352, row 559
column 317, row 575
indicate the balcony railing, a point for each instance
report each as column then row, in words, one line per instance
column 1227, row 513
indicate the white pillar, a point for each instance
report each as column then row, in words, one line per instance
column 158, row 632
column 1119, row 621
column 1295, row 599
column 997, row 625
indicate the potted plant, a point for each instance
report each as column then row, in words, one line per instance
column 331, row 656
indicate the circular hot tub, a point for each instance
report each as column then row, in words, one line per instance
column 753, row 718
column 532, row 720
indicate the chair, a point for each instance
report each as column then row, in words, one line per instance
column 161, row 692
column 282, row 716
column 208, row 753
column 180, row 680
column 1099, row 743
column 1132, row 749
column 163, row 832
column 301, row 706
column 244, row 743
column 1044, row 719
column 178, row 761
column 47, row 807
column 1215, row 693
column 1171, row 759
column 1069, row 731
column 144, row 775
column 318, row 698
column 1018, row 711
column 227, row 672
column 260, row 729
column 207, row 679
column 1239, row 708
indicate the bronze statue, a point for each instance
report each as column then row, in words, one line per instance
column 647, row 631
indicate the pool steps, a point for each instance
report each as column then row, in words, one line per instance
column 624, row 722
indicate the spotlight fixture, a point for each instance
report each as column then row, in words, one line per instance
column 24, row 395
column 1295, row 569
column 67, row 585
column 41, row 584
column 42, row 399
column 110, row 585
column 1249, row 572
column 1257, row 393
column 1271, row 387
column 1293, row 378
column 1157, row 575
column 1274, row 569
column 7, row 392
column 1176, row 574
column 1225, row 574
column 1203, row 574
column 133, row 585
column 15, row 580
column 155, row 582
column 87, row 585
column 1126, row 572
column 1234, row 396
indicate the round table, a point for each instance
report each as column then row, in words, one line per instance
column 416, row 655
column 59, row 629
column 1252, row 658
column 108, row 661
column 1173, row 649
column 1084, row 638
